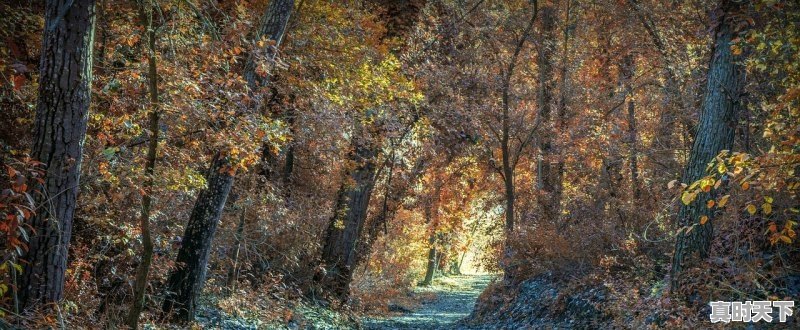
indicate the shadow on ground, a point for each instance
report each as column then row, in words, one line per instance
column 455, row 299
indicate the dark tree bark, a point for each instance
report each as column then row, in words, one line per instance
column 548, row 178
column 186, row 283
column 431, row 266
column 61, row 116
column 273, row 27
column 140, row 286
column 346, row 225
column 431, row 218
column 345, row 230
column 715, row 133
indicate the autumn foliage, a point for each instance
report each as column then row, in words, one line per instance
column 536, row 140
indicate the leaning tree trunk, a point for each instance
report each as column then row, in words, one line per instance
column 715, row 133
column 344, row 233
column 61, row 116
column 273, row 27
column 346, row 225
column 186, row 283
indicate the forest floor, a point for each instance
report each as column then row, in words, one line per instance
column 454, row 299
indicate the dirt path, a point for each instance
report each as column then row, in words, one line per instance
column 455, row 298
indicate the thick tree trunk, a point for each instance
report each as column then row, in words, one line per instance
column 61, row 116
column 715, row 133
column 392, row 197
column 186, row 283
column 548, row 169
column 273, row 27
column 140, row 286
column 345, row 230
column 347, row 223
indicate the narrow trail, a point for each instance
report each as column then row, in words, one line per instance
column 455, row 299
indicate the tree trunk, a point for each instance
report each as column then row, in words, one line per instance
column 715, row 133
column 346, row 225
column 392, row 198
column 505, row 149
column 431, row 218
column 628, row 70
column 273, row 27
column 547, row 167
column 431, row 266
column 340, row 249
column 61, row 116
column 186, row 282
column 561, row 123
column 140, row 286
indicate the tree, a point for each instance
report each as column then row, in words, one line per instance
column 61, row 117
column 140, row 286
column 547, row 169
column 431, row 211
column 346, row 227
column 186, row 282
column 510, row 161
column 715, row 133
column 628, row 69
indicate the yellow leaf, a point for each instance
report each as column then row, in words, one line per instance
column 767, row 208
column 706, row 185
column 768, row 199
column 710, row 203
column 703, row 219
column 786, row 239
column 723, row 201
column 721, row 168
column 751, row 209
column 687, row 197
